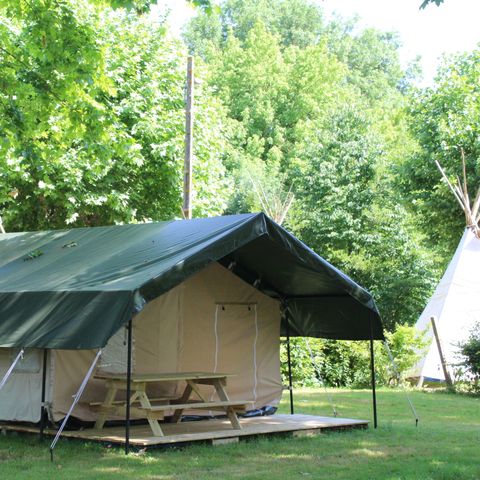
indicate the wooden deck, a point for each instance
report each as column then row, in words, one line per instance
column 215, row 431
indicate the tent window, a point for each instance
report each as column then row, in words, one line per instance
column 30, row 363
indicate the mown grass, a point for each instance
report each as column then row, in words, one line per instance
column 445, row 446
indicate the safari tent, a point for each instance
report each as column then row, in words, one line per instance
column 211, row 294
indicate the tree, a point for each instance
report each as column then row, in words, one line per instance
column 324, row 120
column 295, row 22
column 92, row 132
column 445, row 120
column 345, row 210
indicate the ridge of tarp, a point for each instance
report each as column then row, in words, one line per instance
column 73, row 289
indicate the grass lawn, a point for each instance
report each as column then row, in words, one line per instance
column 446, row 445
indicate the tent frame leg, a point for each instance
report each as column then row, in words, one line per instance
column 289, row 361
column 129, row 387
column 75, row 401
column 43, row 411
column 372, row 369
column 11, row 368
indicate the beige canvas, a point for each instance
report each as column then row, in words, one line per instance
column 212, row 322
column 21, row 396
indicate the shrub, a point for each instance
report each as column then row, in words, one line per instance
column 347, row 363
column 470, row 350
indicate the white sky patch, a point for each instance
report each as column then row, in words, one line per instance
column 450, row 28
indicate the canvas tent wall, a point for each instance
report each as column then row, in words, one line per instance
column 455, row 305
column 75, row 290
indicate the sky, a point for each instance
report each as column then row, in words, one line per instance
column 452, row 27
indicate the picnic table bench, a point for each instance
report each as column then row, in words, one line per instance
column 153, row 409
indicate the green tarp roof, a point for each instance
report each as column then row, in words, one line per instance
column 75, row 288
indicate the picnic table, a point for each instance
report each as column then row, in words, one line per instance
column 153, row 409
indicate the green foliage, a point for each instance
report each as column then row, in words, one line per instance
column 325, row 119
column 470, row 350
column 445, row 119
column 427, row 2
column 344, row 210
column 407, row 346
column 347, row 364
column 91, row 131
column 295, row 22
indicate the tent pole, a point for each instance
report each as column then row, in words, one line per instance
column 372, row 367
column 289, row 360
column 44, row 383
column 129, row 387
column 75, row 401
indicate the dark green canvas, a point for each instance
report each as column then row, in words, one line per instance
column 75, row 288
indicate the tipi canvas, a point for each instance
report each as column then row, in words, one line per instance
column 455, row 305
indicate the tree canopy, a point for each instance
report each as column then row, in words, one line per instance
column 92, row 131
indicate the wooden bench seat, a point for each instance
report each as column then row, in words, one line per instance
column 230, row 407
column 137, row 400
column 237, row 406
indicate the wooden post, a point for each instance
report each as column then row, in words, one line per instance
column 372, row 368
column 188, row 167
column 448, row 379
column 129, row 387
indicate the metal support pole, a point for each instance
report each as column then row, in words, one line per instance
column 75, row 401
column 43, row 411
column 289, row 360
column 129, row 387
column 372, row 367
column 12, row 366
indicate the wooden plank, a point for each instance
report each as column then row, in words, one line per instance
column 204, row 430
column 164, row 377
column 110, row 397
column 136, row 412
column 122, row 402
column 198, row 406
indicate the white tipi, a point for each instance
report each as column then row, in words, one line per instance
column 455, row 304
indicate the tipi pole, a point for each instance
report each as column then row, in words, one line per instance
column 44, row 384
column 446, row 373
column 129, row 387
column 372, row 368
column 289, row 361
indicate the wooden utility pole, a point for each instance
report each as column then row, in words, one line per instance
column 448, row 379
column 188, row 167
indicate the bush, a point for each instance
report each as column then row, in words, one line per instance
column 470, row 350
column 347, row 364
